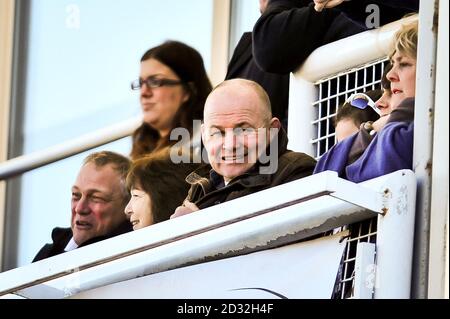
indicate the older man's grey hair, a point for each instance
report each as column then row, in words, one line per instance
column 120, row 164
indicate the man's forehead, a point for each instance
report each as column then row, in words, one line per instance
column 242, row 118
column 232, row 106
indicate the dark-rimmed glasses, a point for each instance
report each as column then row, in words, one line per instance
column 154, row 82
column 361, row 101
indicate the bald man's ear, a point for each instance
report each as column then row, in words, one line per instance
column 275, row 123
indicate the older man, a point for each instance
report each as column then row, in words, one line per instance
column 99, row 197
column 246, row 146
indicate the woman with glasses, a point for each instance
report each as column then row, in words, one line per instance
column 173, row 88
column 389, row 147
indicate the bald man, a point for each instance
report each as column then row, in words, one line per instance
column 246, row 146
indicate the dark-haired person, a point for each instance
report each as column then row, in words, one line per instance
column 173, row 88
column 99, row 196
column 157, row 187
column 349, row 118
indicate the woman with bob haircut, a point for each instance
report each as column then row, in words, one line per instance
column 157, row 187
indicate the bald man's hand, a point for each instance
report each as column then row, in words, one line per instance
column 185, row 209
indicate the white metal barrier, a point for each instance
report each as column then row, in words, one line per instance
column 270, row 218
column 75, row 146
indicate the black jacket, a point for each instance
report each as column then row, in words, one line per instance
column 62, row 236
column 207, row 186
column 290, row 30
column 243, row 65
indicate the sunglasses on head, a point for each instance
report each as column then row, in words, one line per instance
column 361, row 101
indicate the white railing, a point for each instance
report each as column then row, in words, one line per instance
column 75, row 146
column 270, row 218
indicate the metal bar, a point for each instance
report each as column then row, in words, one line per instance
column 438, row 262
column 75, row 146
column 319, row 118
column 395, row 238
column 15, row 139
column 364, row 271
column 367, row 198
column 423, row 142
column 7, row 20
column 350, row 70
column 220, row 40
column 326, row 120
column 301, row 114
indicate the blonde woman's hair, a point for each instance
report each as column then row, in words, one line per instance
column 406, row 40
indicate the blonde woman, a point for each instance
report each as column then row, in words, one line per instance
column 391, row 148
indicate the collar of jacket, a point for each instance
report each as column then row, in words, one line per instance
column 252, row 178
column 60, row 234
column 404, row 111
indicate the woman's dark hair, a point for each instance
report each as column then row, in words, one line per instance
column 358, row 116
column 163, row 180
column 385, row 83
column 187, row 63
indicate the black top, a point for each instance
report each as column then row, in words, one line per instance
column 62, row 236
column 389, row 10
column 243, row 65
column 290, row 30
